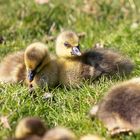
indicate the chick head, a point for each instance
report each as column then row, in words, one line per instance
column 67, row 44
column 36, row 56
column 30, row 126
column 59, row 133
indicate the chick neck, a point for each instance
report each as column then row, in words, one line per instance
column 42, row 64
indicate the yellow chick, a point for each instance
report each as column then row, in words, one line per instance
column 59, row 133
column 30, row 126
column 119, row 110
column 71, row 68
column 67, row 45
column 74, row 66
column 12, row 68
column 41, row 68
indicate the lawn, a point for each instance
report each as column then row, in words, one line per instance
column 115, row 23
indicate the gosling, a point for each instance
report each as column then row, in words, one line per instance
column 29, row 128
column 120, row 109
column 41, row 69
column 74, row 66
column 71, row 68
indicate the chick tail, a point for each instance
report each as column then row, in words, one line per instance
column 124, row 66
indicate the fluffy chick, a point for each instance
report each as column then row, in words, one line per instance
column 71, row 68
column 91, row 137
column 41, row 68
column 120, row 109
column 12, row 68
column 91, row 64
column 30, row 126
column 59, row 133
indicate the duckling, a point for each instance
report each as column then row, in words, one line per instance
column 41, row 68
column 71, row 68
column 91, row 137
column 59, row 133
column 75, row 66
column 119, row 110
column 30, row 126
column 12, row 68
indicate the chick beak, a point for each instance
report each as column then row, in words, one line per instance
column 31, row 75
column 76, row 51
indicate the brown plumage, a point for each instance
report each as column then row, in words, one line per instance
column 12, row 68
column 41, row 68
column 107, row 61
column 120, row 109
column 59, row 133
column 30, row 126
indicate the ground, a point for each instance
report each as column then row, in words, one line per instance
column 114, row 23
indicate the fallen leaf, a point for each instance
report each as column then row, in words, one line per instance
column 4, row 121
column 48, row 95
column 98, row 46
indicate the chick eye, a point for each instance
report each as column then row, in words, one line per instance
column 67, row 44
column 78, row 46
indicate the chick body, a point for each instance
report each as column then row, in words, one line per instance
column 30, row 126
column 39, row 63
column 59, row 133
column 108, row 61
column 74, row 66
column 73, row 72
column 120, row 109
column 71, row 68
column 12, row 68
column 48, row 76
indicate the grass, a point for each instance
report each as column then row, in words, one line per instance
column 23, row 22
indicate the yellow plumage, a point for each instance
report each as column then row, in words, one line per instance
column 39, row 62
column 59, row 133
column 72, row 70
